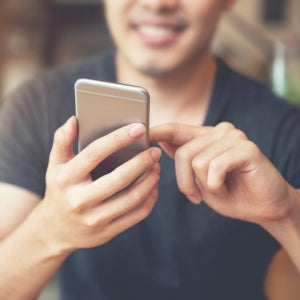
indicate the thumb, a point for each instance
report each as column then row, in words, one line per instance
column 64, row 137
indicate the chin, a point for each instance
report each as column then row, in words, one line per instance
column 156, row 64
column 153, row 71
column 154, row 68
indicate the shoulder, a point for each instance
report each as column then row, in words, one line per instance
column 60, row 79
column 51, row 91
column 250, row 92
column 255, row 101
column 268, row 120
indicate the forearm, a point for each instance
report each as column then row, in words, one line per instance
column 287, row 230
column 27, row 260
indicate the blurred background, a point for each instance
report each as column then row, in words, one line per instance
column 260, row 38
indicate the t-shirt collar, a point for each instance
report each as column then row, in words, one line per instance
column 219, row 97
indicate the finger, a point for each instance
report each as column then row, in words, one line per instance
column 82, row 164
column 134, row 216
column 184, row 173
column 213, row 147
column 108, row 185
column 223, row 172
column 64, row 137
column 194, row 156
column 124, row 202
column 176, row 134
column 238, row 158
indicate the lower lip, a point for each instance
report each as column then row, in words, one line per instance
column 157, row 41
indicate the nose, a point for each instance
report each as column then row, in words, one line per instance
column 160, row 5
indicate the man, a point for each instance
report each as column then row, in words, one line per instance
column 181, row 251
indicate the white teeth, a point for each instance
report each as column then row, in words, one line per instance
column 155, row 31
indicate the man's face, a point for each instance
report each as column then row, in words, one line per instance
column 157, row 37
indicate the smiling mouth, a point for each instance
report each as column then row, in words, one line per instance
column 157, row 31
column 158, row 34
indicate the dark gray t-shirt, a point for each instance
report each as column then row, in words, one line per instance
column 181, row 251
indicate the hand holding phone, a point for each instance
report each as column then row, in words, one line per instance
column 80, row 213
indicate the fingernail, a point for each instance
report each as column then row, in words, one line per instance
column 137, row 130
column 156, row 154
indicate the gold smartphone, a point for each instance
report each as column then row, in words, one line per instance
column 102, row 107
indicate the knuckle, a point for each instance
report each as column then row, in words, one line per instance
column 251, row 148
column 117, row 137
column 75, row 204
column 61, row 179
column 225, row 126
column 181, row 154
column 198, row 164
column 136, row 195
column 118, row 180
column 75, row 199
column 147, row 157
column 90, row 221
column 238, row 134
column 214, row 164
column 92, row 154
column 212, row 189
column 145, row 160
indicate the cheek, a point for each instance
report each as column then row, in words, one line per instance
column 205, row 17
column 205, row 10
column 116, row 12
column 113, row 21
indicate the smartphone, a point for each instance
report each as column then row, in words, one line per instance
column 102, row 107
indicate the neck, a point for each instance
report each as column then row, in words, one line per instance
column 181, row 96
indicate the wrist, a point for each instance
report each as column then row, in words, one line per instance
column 286, row 230
column 295, row 212
column 294, row 217
column 289, row 221
column 45, row 233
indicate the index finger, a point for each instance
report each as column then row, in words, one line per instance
column 176, row 134
column 84, row 162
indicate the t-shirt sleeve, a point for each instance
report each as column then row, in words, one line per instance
column 23, row 159
column 29, row 117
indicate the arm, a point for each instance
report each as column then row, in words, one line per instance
column 76, row 212
column 287, row 230
column 222, row 167
column 23, row 267
column 282, row 278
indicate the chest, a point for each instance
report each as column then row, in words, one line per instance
column 192, row 114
